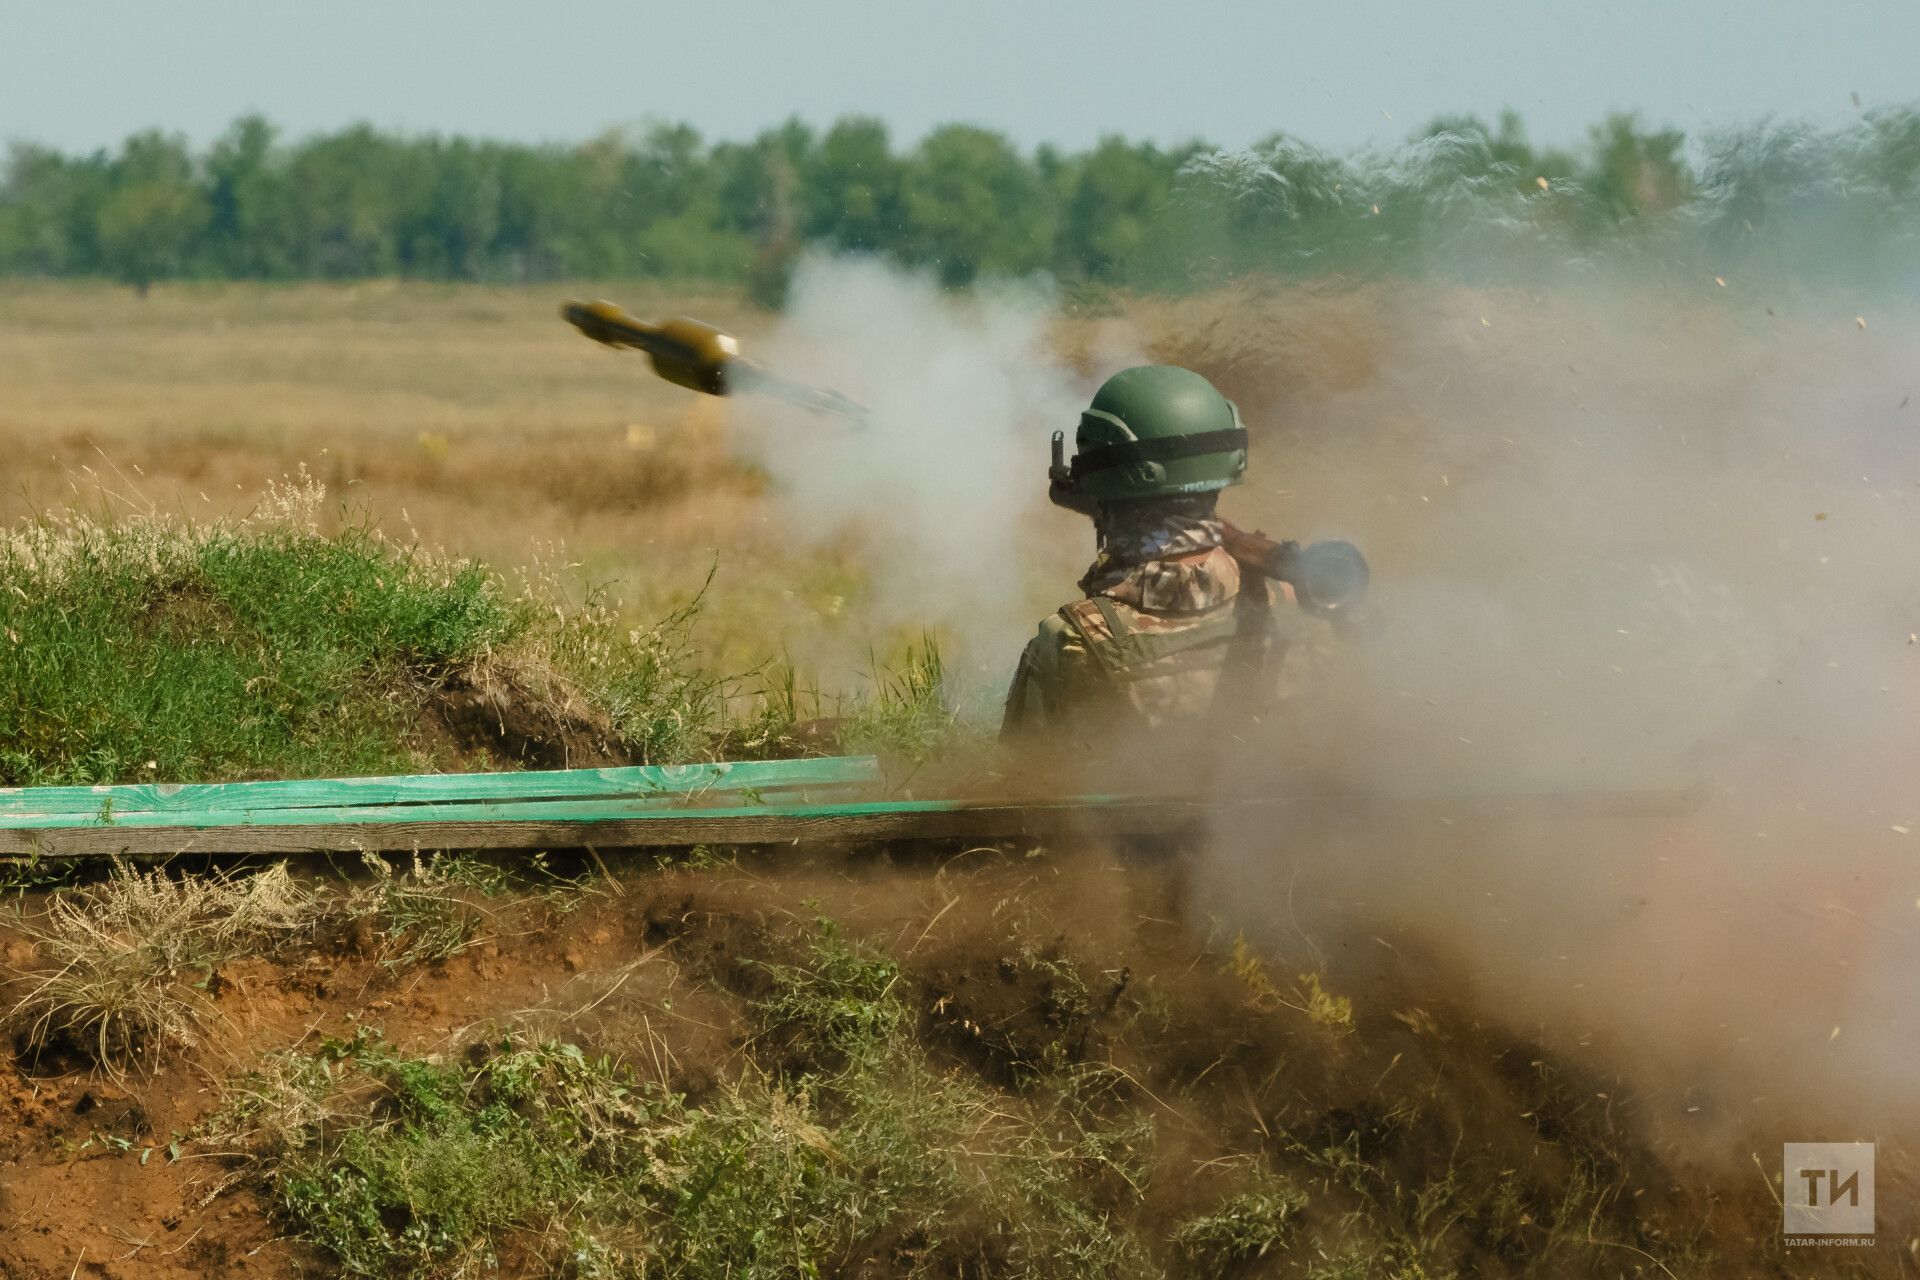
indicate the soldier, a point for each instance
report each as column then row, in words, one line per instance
column 1170, row 637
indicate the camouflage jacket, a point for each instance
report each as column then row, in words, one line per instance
column 1179, row 641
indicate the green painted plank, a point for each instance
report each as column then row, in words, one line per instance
column 914, row 820
column 671, row 781
column 597, row 810
column 645, row 810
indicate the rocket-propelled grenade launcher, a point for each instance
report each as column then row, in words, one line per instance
column 1327, row 577
column 693, row 354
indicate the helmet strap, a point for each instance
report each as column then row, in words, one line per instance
column 1127, row 453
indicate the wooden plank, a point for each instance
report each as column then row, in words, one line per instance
column 821, row 823
column 672, row 781
column 600, row 809
column 752, row 825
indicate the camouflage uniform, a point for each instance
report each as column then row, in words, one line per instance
column 1169, row 636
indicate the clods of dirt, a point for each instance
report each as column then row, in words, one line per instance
column 510, row 716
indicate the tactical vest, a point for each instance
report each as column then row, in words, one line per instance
column 1176, row 668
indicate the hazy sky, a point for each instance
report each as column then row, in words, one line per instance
column 1337, row 72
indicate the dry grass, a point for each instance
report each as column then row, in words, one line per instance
column 470, row 417
column 473, row 418
column 383, row 358
column 122, row 968
column 123, row 964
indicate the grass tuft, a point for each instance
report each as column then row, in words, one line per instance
column 125, row 962
column 645, row 682
column 435, row 1164
column 839, row 1005
column 122, row 968
column 909, row 715
column 1241, row 1230
column 426, row 913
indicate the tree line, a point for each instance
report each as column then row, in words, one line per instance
column 963, row 201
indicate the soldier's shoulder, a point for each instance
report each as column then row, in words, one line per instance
column 1056, row 631
column 1058, row 641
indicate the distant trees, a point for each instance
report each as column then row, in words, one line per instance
column 153, row 211
column 1636, row 173
column 855, row 189
column 964, row 202
column 1110, row 205
column 974, row 204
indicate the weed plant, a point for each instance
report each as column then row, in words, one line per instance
column 909, row 715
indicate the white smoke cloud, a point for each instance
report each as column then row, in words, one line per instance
column 946, row 479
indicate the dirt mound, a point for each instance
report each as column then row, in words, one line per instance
column 493, row 713
column 1399, row 1126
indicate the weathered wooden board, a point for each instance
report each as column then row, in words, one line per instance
column 754, row 825
column 675, row 783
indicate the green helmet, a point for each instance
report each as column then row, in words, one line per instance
column 1151, row 432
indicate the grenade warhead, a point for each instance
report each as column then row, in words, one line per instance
column 694, row 354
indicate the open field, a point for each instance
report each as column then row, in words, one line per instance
column 1635, row 538
column 472, row 418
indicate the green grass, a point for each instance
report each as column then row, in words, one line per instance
column 848, row 1136
column 20, row 876
column 144, row 648
column 839, row 1008
column 463, row 1156
column 909, row 715
column 1242, row 1230
column 403, row 1165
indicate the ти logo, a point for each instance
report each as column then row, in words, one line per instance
column 1827, row 1190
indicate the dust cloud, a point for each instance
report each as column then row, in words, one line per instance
column 1636, row 707
column 1629, row 736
